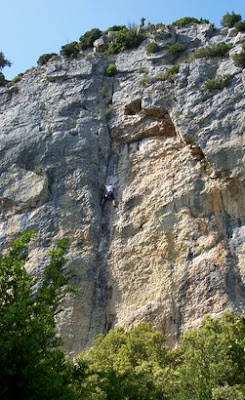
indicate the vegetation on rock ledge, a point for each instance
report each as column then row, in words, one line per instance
column 218, row 83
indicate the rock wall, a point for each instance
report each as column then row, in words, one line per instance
column 173, row 249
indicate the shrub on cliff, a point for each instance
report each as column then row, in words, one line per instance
column 170, row 74
column 17, row 78
column 88, row 38
column 218, row 83
column 31, row 363
column 239, row 59
column 125, row 39
column 111, row 70
column 175, row 49
column 240, row 26
column 46, row 58
column 115, row 28
column 133, row 38
column 70, row 49
column 152, row 47
column 229, row 20
column 218, row 50
column 189, row 21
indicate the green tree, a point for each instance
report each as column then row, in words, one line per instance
column 186, row 21
column 239, row 59
column 220, row 49
column 212, row 357
column 125, row 39
column 226, row 392
column 218, row 83
column 115, row 28
column 209, row 364
column 46, row 58
column 152, row 47
column 229, row 20
column 88, row 38
column 175, row 49
column 240, row 26
column 132, row 365
column 70, row 50
column 3, row 61
column 32, row 365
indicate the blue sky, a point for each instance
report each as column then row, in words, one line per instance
column 31, row 28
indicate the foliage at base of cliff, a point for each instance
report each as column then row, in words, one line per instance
column 209, row 364
column 32, row 364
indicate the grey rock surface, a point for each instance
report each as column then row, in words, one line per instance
column 174, row 248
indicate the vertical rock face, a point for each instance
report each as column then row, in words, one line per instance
column 173, row 249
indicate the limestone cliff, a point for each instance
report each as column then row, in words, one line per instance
column 174, row 248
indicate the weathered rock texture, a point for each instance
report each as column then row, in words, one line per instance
column 174, row 248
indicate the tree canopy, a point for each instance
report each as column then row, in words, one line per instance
column 209, row 364
column 3, row 61
column 229, row 20
column 32, row 364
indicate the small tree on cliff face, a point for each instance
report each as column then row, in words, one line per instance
column 3, row 63
column 31, row 363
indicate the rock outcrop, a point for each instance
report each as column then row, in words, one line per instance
column 174, row 248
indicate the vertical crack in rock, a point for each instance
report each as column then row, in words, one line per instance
column 101, row 292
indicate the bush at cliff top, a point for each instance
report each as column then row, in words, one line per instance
column 111, row 70
column 17, row 78
column 45, row 58
column 88, row 38
column 116, row 28
column 152, row 47
column 240, row 26
column 124, row 40
column 218, row 50
column 229, row 20
column 189, row 21
column 70, row 49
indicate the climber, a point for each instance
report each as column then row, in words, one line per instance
column 109, row 195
